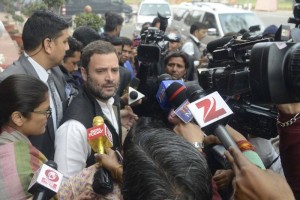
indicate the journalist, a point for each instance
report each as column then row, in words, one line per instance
column 178, row 65
column 24, row 110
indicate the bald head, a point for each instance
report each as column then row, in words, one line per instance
column 88, row 9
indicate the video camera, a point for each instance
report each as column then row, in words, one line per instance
column 153, row 42
column 260, row 72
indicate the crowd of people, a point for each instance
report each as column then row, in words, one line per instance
column 51, row 94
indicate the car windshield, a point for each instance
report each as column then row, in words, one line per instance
column 152, row 9
column 234, row 22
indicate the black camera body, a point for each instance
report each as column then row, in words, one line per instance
column 258, row 72
column 152, row 45
column 153, row 42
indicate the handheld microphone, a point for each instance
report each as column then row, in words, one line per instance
column 161, row 96
column 176, row 94
column 99, row 136
column 134, row 95
column 209, row 110
column 46, row 181
column 134, row 83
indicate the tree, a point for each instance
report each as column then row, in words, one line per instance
column 89, row 19
column 54, row 4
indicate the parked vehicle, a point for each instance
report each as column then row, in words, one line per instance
column 219, row 18
column 148, row 11
column 74, row 7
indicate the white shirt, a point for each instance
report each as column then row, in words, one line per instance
column 43, row 75
column 71, row 145
column 107, row 109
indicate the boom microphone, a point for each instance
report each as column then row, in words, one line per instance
column 213, row 45
column 46, row 181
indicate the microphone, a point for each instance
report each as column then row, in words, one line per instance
column 176, row 94
column 209, row 110
column 161, row 96
column 164, row 77
column 46, row 181
column 99, row 136
column 134, row 83
column 134, row 95
column 213, row 45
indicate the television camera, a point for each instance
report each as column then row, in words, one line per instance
column 255, row 73
column 153, row 42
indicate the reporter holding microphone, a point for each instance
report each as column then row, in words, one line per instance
column 24, row 111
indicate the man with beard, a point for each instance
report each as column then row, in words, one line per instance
column 100, row 72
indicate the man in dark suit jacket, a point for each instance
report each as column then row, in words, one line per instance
column 44, row 37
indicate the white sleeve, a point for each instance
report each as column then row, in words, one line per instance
column 71, row 148
column 188, row 48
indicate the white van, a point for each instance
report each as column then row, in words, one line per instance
column 148, row 11
column 220, row 19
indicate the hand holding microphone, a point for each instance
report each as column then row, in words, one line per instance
column 46, row 181
column 206, row 109
column 99, row 139
column 189, row 131
column 210, row 110
column 134, row 97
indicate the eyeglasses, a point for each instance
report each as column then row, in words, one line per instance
column 47, row 112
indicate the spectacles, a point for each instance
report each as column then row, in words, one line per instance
column 47, row 112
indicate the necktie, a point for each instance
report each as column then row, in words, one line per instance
column 55, row 98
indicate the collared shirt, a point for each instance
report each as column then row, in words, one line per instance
column 43, row 75
column 107, row 109
column 71, row 145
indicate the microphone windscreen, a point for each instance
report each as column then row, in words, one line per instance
column 176, row 94
column 194, row 92
column 133, row 95
column 213, row 45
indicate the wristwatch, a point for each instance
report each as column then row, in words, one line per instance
column 199, row 145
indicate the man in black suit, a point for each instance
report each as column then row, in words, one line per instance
column 45, row 38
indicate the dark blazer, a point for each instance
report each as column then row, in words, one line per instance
column 44, row 142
